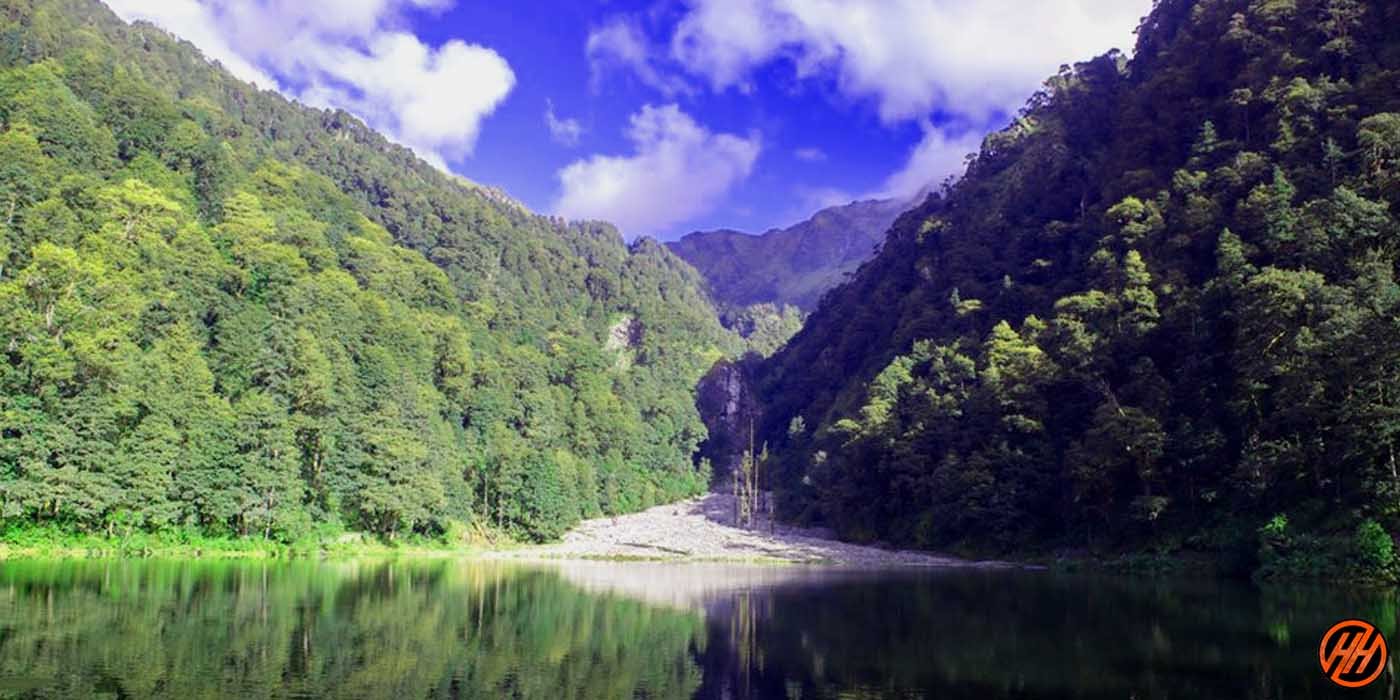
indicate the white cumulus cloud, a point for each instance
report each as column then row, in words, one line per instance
column 621, row 45
column 193, row 22
column 935, row 158
column 970, row 62
column 680, row 170
column 971, row 57
column 817, row 198
column 565, row 132
column 350, row 54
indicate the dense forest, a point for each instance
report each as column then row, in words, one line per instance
column 224, row 313
column 1160, row 312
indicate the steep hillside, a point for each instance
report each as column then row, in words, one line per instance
column 1159, row 311
column 792, row 266
column 223, row 311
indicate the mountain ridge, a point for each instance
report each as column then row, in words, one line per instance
column 794, row 265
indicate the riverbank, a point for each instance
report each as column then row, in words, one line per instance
column 698, row 530
column 49, row 543
column 703, row 530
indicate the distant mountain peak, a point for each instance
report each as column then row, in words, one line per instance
column 789, row 266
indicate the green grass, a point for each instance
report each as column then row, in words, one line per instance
column 55, row 542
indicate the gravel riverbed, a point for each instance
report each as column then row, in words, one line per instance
column 703, row 529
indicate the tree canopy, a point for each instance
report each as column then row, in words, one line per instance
column 1159, row 310
column 223, row 311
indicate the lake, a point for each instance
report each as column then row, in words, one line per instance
column 474, row 629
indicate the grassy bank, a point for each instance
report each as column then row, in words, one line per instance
column 48, row 542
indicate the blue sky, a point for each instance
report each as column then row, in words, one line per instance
column 665, row 116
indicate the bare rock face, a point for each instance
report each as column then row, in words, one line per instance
column 624, row 335
column 729, row 408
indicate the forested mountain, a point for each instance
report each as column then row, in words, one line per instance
column 793, row 266
column 765, row 285
column 1159, row 311
column 226, row 312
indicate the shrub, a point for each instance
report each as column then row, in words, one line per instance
column 1373, row 549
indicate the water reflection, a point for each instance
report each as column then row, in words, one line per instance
column 1004, row 635
column 606, row 630
column 387, row 630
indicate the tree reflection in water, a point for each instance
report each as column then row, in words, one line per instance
column 447, row 629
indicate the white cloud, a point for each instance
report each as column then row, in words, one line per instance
column 679, row 171
column 565, row 132
column 194, row 23
column 810, row 155
column 972, row 58
column 431, row 100
column 818, row 198
column 970, row 63
column 934, row 159
column 621, row 45
column 350, row 54
column 931, row 161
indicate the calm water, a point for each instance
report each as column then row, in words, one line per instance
column 442, row 629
